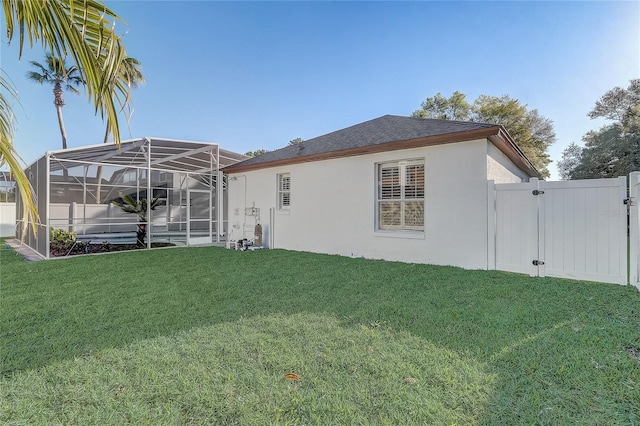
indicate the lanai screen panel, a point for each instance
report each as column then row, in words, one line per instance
column 82, row 195
column 83, row 198
column 37, row 176
column 7, row 188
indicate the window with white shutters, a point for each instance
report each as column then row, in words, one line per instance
column 284, row 191
column 401, row 195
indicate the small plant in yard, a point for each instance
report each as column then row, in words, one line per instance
column 138, row 207
column 62, row 242
column 61, row 239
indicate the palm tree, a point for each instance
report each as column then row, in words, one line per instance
column 60, row 77
column 138, row 207
column 85, row 31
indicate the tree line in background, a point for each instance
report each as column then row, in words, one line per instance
column 614, row 149
column 532, row 132
column 261, row 151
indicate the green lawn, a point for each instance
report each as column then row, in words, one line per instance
column 207, row 335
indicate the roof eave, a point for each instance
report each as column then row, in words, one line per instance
column 503, row 141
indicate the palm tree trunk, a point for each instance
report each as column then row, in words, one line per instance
column 63, row 132
column 107, row 131
column 99, row 172
column 141, row 234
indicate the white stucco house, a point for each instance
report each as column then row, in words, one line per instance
column 394, row 188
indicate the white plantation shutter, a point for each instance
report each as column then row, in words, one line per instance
column 401, row 195
column 284, row 191
column 414, row 185
column 390, row 182
column 390, row 215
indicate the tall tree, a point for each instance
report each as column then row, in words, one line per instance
column 571, row 157
column 296, row 141
column 85, row 31
column 454, row 108
column 614, row 149
column 531, row 131
column 56, row 73
column 620, row 105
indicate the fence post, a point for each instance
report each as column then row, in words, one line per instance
column 491, row 225
column 634, row 229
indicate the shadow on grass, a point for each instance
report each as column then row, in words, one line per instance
column 235, row 373
column 66, row 309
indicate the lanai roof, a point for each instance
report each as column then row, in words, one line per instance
column 387, row 133
column 168, row 154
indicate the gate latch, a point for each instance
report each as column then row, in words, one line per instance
column 537, row 192
column 538, row 262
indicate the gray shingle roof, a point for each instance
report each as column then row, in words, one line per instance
column 385, row 129
column 388, row 133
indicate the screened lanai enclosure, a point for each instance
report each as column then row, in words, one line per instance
column 175, row 188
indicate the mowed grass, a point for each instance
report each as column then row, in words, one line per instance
column 208, row 335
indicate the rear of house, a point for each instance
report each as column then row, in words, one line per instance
column 393, row 188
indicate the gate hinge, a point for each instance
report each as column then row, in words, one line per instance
column 537, row 192
column 628, row 201
column 538, row 262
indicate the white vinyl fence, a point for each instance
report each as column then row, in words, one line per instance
column 569, row 229
column 7, row 219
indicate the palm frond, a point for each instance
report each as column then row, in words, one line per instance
column 9, row 157
column 82, row 29
column 136, row 206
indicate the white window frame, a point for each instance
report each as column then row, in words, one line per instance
column 284, row 191
column 397, row 185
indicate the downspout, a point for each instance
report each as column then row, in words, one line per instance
column 219, row 196
column 47, row 224
column 149, row 194
column 220, row 204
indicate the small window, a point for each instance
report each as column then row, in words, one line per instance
column 401, row 196
column 284, row 191
column 130, row 176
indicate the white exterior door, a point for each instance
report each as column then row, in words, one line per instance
column 199, row 230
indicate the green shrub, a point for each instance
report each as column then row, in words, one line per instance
column 61, row 240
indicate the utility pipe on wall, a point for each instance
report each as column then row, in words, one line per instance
column 272, row 223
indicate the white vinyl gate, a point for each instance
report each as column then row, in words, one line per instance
column 569, row 229
column 634, row 229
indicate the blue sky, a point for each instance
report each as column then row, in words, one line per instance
column 252, row 75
